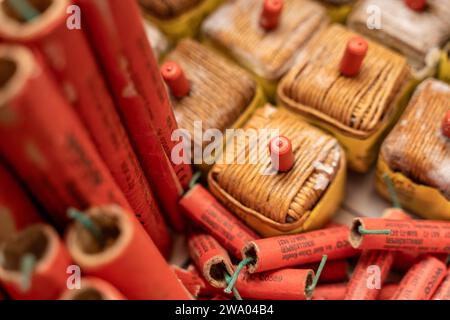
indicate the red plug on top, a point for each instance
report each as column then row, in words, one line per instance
column 446, row 124
column 271, row 13
column 175, row 79
column 281, row 153
column 354, row 55
column 416, row 5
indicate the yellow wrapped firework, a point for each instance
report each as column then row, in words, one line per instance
column 416, row 154
column 178, row 18
column 221, row 96
column 358, row 110
column 237, row 30
column 414, row 33
column 273, row 202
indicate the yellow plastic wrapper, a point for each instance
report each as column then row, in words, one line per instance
column 186, row 25
column 338, row 13
column 444, row 64
column 423, row 200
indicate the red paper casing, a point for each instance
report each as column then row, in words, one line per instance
column 49, row 277
column 201, row 207
column 443, row 292
column 333, row 271
column 16, row 209
column 69, row 57
column 422, row 280
column 120, row 41
column 361, row 286
column 284, row 284
column 48, row 146
column 132, row 263
column 405, row 235
column 210, row 258
column 99, row 286
column 334, row 291
column 285, row 251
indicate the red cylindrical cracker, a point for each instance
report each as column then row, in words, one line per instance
column 48, row 278
column 210, row 258
column 405, row 235
column 404, row 260
column 118, row 36
column 201, row 207
column 123, row 22
column 67, row 52
column 369, row 275
column 191, row 281
column 127, row 258
column 388, row 291
column 44, row 140
column 373, row 267
column 443, row 292
column 286, row 251
column 16, row 209
column 422, row 280
column 195, row 283
column 284, row 284
column 93, row 289
column 333, row 271
column 330, row 291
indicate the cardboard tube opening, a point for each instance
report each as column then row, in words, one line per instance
column 32, row 240
column 47, row 15
column 40, row 6
column 309, row 282
column 355, row 237
column 16, row 65
column 109, row 228
column 88, row 294
column 217, row 270
column 7, row 224
column 8, row 68
column 251, row 251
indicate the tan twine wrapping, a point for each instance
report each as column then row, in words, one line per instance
column 412, row 33
column 416, row 147
column 283, row 197
column 356, row 106
column 235, row 27
column 220, row 91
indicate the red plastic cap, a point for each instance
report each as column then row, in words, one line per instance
column 281, row 153
column 175, row 78
column 354, row 55
column 271, row 13
column 446, row 125
column 416, row 5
